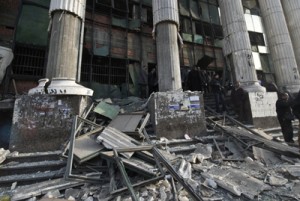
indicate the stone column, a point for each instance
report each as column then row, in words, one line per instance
column 280, row 44
column 291, row 10
column 237, row 45
column 166, row 22
column 62, row 67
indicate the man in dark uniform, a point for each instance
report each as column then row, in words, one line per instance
column 217, row 90
column 296, row 111
column 194, row 80
column 238, row 97
column 285, row 116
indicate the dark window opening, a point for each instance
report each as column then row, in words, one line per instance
column 29, row 60
column 149, row 17
column 120, row 4
column 256, row 38
column 104, row 73
column 198, row 28
column 186, row 26
column 104, row 2
column 218, row 31
column 134, row 11
column 102, row 8
column 207, row 30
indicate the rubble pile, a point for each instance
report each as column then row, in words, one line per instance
column 113, row 155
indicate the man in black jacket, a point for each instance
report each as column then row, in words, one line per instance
column 296, row 111
column 238, row 98
column 217, row 90
column 285, row 116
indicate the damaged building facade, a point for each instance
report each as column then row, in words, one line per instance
column 119, row 51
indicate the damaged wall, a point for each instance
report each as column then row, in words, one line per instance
column 43, row 122
column 174, row 114
column 263, row 109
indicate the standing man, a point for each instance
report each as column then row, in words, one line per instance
column 217, row 90
column 238, row 97
column 194, row 80
column 285, row 116
column 296, row 111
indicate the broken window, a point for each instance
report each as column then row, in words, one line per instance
column 207, row 29
column 255, row 11
column 102, row 7
column 33, row 25
column 196, row 12
column 218, row 31
column 198, row 28
column 134, row 11
column 29, row 60
column 265, row 64
column 213, row 2
column 214, row 14
column 204, row 11
column 120, row 4
column 256, row 38
column 186, row 25
column 184, row 7
column 149, row 16
column 104, row 2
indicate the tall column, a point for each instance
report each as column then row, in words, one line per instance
column 66, row 24
column 237, row 47
column 281, row 48
column 166, row 22
column 292, row 15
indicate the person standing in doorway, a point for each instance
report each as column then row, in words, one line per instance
column 217, row 90
column 238, row 98
column 285, row 116
column 296, row 112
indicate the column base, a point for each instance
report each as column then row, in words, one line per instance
column 293, row 89
column 60, row 86
column 253, row 87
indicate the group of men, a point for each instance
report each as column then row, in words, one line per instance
column 287, row 106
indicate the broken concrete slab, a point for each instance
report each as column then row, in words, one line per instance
column 42, row 188
column 185, row 169
column 3, row 154
column 267, row 157
column 276, row 180
column 236, row 181
column 235, row 150
column 293, row 170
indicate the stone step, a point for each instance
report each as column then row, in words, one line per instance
column 15, row 168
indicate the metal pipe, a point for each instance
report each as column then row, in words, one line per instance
column 80, row 49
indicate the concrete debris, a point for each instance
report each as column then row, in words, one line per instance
column 185, row 169
column 293, row 170
column 117, row 156
column 3, row 154
column 211, row 183
column 276, row 180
